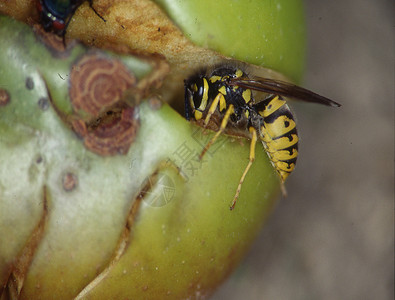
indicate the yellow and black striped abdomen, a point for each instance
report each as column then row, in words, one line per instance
column 278, row 134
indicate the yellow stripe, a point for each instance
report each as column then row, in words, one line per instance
column 247, row 95
column 273, row 105
column 284, row 155
column 215, row 78
column 203, row 104
column 280, row 143
column 239, row 73
column 280, row 126
column 283, row 166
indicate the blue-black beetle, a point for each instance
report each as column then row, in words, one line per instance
column 55, row 15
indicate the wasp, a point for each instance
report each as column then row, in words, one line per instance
column 227, row 91
column 56, row 15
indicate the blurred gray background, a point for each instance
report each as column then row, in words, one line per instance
column 333, row 237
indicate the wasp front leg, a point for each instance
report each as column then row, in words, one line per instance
column 225, row 120
column 218, row 99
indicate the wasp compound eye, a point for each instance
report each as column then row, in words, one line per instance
column 198, row 95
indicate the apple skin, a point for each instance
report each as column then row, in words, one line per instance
column 270, row 34
column 112, row 236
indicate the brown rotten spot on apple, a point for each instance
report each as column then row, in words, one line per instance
column 97, row 87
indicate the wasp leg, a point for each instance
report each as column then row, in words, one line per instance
column 212, row 108
column 224, row 122
column 252, row 158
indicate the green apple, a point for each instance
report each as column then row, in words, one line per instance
column 264, row 33
column 112, row 202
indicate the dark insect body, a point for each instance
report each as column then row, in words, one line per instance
column 228, row 92
column 55, row 15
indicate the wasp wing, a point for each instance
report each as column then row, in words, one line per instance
column 282, row 88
